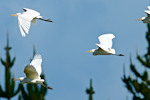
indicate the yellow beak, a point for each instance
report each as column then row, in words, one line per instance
column 15, row 79
column 89, row 51
column 138, row 19
column 14, row 15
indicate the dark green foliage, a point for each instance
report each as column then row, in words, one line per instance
column 34, row 91
column 140, row 85
column 9, row 83
column 90, row 90
column 19, row 98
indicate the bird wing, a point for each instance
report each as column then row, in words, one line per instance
column 21, row 30
column 101, row 47
column 24, row 21
column 36, row 63
column 148, row 7
column 31, row 72
column 27, row 10
column 24, row 25
column 32, row 13
column 106, row 40
column 148, row 12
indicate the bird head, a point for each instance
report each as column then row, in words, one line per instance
column 15, row 14
column 141, row 18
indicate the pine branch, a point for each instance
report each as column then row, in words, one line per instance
column 9, row 91
column 141, row 84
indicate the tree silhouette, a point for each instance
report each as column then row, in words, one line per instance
column 9, row 83
column 90, row 90
column 140, row 87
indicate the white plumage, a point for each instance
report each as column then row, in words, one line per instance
column 105, row 46
column 25, row 19
column 33, row 72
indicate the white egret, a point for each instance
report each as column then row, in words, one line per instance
column 25, row 19
column 104, row 48
column 146, row 19
column 33, row 72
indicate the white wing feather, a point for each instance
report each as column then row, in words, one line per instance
column 147, row 11
column 21, row 30
column 24, row 24
column 36, row 63
column 106, row 40
column 33, row 14
column 31, row 72
column 102, row 47
column 148, row 7
column 27, row 10
column 24, row 21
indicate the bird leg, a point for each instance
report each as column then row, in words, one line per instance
column 46, row 86
column 48, row 20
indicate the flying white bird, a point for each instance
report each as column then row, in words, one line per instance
column 33, row 72
column 104, row 48
column 146, row 19
column 25, row 19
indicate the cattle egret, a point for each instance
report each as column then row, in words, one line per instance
column 104, row 48
column 25, row 19
column 33, row 72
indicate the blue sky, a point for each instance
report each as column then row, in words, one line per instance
column 63, row 44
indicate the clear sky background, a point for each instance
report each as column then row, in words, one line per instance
column 63, row 44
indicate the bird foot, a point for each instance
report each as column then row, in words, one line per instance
column 50, row 88
column 48, row 20
column 120, row 55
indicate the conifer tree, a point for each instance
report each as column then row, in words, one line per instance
column 140, row 86
column 90, row 90
column 9, row 91
column 34, row 91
